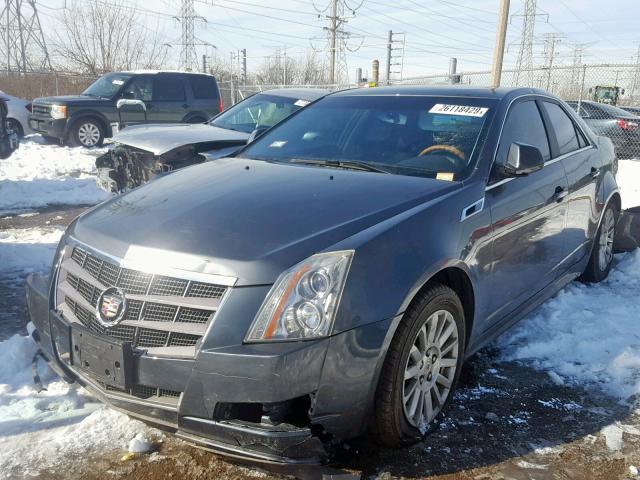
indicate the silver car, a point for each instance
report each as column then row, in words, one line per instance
column 18, row 114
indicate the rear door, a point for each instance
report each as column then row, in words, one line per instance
column 169, row 98
column 582, row 166
column 528, row 216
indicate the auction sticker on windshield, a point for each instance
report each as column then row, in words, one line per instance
column 458, row 110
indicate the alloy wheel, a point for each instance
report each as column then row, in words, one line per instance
column 607, row 234
column 430, row 370
column 88, row 134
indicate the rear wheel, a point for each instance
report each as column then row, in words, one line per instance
column 602, row 253
column 421, row 369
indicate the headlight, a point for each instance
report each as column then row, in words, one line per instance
column 303, row 301
column 58, row 111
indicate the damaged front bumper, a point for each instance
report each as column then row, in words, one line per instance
column 227, row 414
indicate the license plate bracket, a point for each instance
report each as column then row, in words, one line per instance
column 105, row 359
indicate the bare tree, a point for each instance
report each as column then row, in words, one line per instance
column 280, row 70
column 97, row 37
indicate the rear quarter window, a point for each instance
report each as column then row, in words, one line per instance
column 203, row 87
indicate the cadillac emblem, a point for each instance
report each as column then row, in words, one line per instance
column 111, row 307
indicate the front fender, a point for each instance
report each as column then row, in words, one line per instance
column 75, row 116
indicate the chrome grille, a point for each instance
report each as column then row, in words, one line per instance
column 40, row 109
column 157, row 312
column 163, row 313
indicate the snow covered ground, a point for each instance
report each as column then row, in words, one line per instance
column 40, row 174
column 586, row 335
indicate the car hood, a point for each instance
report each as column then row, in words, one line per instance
column 66, row 99
column 161, row 138
column 247, row 219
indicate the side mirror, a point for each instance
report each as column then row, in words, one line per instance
column 523, row 160
column 256, row 133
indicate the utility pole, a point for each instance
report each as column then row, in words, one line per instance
column 204, row 63
column 336, row 38
column 23, row 47
column 244, row 67
column 333, row 31
column 232, row 87
column 635, row 86
column 498, row 52
column 550, row 42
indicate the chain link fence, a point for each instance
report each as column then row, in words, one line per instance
column 606, row 96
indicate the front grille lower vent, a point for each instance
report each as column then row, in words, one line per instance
column 166, row 314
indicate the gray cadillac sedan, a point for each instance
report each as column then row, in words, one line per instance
column 331, row 279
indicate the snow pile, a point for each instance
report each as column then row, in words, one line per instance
column 587, row 334
column 44, row 430
column 28, row 250
column 37, row 175
column 629, row 182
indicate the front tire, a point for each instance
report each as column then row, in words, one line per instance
column 421, row 369
column 15, row 125
column 602, row 253
column 87, row 133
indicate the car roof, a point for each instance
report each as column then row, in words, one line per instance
column 301, row 93
column 155, row 72
column 444, row 91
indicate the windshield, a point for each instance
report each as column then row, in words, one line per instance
column 408, row 135
column 260, row 110
column 107, row 85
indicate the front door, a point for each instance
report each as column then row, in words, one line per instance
column 528, row 217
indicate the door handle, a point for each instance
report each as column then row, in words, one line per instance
column 595, row 172
column 560, row 193
column 184, row 105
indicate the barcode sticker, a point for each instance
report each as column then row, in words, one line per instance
column 465, row 110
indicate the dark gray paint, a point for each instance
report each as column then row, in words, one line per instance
column 254, row 219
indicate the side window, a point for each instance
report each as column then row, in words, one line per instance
column 582, row 140
column 524, row 125
column 168, row 88
column 203, row 87
column 563, row 127
column 139, row 88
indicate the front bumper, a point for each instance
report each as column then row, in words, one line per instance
column 49, row 127
column 242, row 374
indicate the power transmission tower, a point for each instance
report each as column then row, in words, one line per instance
column 395, row 55
column 187, row 18
column 337, row 38
column 550, row 52
column 23, row 46
column 524, row 63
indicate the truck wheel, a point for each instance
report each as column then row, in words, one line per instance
column 602, row 253
column 87, row 133
column 421, row 369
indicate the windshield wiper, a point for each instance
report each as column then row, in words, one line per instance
column 347, row 164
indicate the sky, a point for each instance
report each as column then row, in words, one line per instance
column 434, row 30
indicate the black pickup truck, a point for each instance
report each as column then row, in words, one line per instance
column 144, row 96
